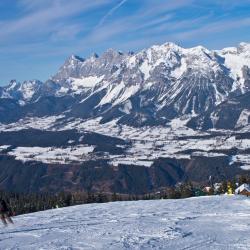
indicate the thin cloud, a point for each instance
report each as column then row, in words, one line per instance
column 151, row 15
column 44, row 21
column 213, row 28
column 111, row 12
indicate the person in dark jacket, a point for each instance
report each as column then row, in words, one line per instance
column 5, row 212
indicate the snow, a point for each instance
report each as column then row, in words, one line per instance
column 235, row 59
column 214, row 118
column 150, row 143
column 208, row 154
column 246, row 167
column 218, row 223
column 242, row 187
column 127, row 93
column 119, row 93
column 86, row 82
column 178, row 122
column 218, row 96
column 131, row 161
column 52, row 155
column 127, row 107
column 243, row 159
column 147, row 143
column 145, row 69
column 5, row 95
column 113, row 92
column 131, row 61
column 28, row 90
column 178, row 71
column 62, row 91
column 43, row 123
column 12, row 85
column 243, row 119
column 3, row 147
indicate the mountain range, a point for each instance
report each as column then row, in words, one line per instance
column 152, row 86
column 165, row 110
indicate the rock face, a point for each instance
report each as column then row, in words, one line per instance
column 150, row 87
column 231, row 114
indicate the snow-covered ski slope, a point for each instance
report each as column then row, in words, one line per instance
column 218, row 222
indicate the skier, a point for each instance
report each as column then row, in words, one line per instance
column 5, row 213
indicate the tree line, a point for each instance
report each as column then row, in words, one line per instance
column 21, row 203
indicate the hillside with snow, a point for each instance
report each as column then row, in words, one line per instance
column 215, row 222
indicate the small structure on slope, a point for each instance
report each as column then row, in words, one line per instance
column 243, row 189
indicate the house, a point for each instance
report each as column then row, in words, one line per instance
column 244, row 189
column 207, row 189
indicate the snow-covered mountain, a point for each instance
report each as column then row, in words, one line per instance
column 152, row 86
column 212, row 222
column 129, row 122
column 23, row 92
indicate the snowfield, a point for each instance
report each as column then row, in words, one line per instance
column 215, row 222
column 52, row 155
column 147, row 143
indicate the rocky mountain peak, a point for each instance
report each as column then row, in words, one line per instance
column 13, row 83
column 75, row 58
column 94, row 55
column 244, row 48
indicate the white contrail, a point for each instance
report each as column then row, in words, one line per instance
column 110, row 12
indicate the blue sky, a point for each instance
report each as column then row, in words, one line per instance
column 36, row 36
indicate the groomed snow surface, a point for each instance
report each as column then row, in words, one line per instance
column 215, row 222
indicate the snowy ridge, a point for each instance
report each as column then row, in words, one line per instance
column 22, row 91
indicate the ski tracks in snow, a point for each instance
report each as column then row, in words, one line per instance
column 217, row 223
